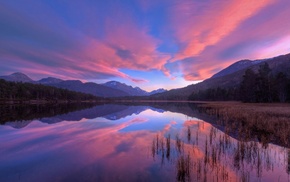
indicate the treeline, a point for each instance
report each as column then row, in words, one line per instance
column 12, row 91
column 255, row 87
column 215, row 94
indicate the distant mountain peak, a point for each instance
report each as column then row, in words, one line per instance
column 50, row 80
column 138, row 88
column 112, row 82
column 86, row 87
column 17, row 77
column 132, row 91
column 157, row 91
column 245, row 61
column 239, row 65
column 18, row 74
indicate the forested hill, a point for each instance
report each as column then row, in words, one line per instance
column 260, row 86
column 229, row 78
column 18, row 91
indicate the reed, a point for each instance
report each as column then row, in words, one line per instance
column 188, row 134
column 183, row 166
column 179, row 143
column 168, row 148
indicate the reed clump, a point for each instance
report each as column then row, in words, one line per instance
column 183, row 168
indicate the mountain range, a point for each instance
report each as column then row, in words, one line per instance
column 109, row 89
column 229, row 77
column 132, row 91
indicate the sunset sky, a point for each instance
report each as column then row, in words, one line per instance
column 147, row 43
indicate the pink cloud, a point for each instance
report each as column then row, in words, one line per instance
column 213, row 22
column 125, row 45
column 96, row 57
column 241, row 28
column 138, row 43
column 138, row 80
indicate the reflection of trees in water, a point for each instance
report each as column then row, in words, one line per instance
column 218, row 157
column 10, row 113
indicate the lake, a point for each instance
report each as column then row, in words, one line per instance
column 130, row 142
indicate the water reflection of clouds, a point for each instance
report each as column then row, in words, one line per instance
column 80, row 143
column 112, row 150
column 156, row 121
column 168, row 126
column 98, row 138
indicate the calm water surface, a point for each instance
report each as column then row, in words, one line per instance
column 109, row 142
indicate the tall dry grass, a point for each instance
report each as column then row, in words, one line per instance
column 263, row 122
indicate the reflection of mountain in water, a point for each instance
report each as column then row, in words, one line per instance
column 23, row 115
column 18, row 124
column 108, row 111
column 130, row 110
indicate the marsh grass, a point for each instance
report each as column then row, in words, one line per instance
column 196, row 137
column 265, row 123
column 153, row 148
column 183, row 168
column 188, row 134
column 168, row 148
column 179, row 144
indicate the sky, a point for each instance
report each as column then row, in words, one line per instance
column 147, row 43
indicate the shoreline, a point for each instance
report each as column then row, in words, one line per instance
column 12, row 102
column 110, row 100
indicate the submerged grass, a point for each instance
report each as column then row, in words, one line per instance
column 225, row 159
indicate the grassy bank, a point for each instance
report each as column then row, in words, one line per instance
column 264, row 122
